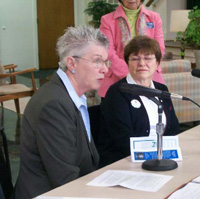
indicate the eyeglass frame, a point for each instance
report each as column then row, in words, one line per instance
column 98, row 62
column 145, row 59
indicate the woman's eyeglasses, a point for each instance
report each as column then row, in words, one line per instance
column 138, row 59
column 97, row 62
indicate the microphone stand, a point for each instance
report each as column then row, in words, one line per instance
column 159, row 164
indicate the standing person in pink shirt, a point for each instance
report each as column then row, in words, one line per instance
column 130, row 18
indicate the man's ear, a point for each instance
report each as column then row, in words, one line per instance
column 70, row 63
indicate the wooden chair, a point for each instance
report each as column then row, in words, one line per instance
column 7, row 68
column 10, row 68
column 12, row 90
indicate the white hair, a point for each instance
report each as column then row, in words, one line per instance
column 76, row 40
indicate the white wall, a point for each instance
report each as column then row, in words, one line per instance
column 79, row 16
column 173, row 5
column 18, row 33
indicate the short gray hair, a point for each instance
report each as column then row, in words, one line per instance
column 76, row 40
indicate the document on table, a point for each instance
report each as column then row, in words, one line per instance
column 132, row 180
column 145, row 148
column 190, row 190
column 52, row 197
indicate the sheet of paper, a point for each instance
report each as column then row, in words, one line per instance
column 191, row 190
column 132, row 180
column 52, row 197
column 197, row 180
column 144, row 148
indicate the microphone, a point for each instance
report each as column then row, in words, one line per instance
column 149, row 92
column 196, row 72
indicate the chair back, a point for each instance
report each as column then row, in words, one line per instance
column 3, row 80
column 15, row 91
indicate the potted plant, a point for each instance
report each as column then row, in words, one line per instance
column 191, row 36
column 192, row 32
column 179, row 37
column 97, row 9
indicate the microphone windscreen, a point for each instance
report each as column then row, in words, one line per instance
column 196, row 72
column 139, row 90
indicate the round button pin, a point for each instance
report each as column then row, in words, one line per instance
column 135, row 103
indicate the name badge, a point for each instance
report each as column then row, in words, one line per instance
column 146, row 155
column 150, row 25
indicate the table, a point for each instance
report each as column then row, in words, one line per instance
column 188, row 169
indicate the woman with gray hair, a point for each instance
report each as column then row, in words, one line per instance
column 130, row 19
column 56, row 142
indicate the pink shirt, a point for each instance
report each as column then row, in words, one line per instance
column 111, row 29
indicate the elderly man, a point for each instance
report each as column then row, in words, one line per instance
column 56, row 143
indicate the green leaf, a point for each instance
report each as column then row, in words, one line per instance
column 192, row 32
column 97, row 9
column 182, row 53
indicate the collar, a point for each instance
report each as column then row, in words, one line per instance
column 78, row 101
column 144, row 10
column 130, row 80
column 129, row 12
column 119, row 12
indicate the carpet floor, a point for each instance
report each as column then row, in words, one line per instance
column 10, row 105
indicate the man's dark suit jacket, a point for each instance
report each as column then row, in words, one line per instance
column 120, row 121
column 54, row 144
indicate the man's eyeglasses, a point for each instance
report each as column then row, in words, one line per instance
column 98, row 62
column 138, row 59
